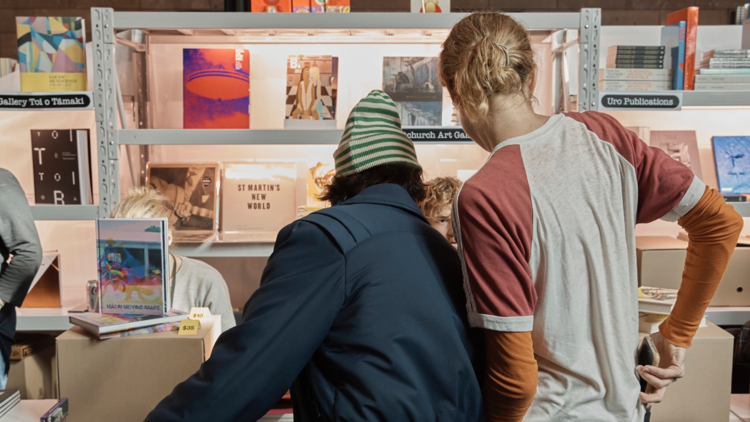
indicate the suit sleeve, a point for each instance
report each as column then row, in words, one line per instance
column 286, row 319
column 18, row 234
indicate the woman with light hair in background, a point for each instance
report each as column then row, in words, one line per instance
column 438, row 204
column 194, row 283
column 546, row 235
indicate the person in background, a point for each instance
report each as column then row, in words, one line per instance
column 360, row 308
column 546, row 233
column 194, row 283
column 438, row 204
column 21, row 257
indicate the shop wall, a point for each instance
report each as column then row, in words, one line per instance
column 616, row 12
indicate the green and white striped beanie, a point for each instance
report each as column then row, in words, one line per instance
column 373, row 137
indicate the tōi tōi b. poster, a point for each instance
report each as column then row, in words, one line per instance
column 216, row 88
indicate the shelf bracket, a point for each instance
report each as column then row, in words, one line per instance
column 588, row 86
column 105, row 103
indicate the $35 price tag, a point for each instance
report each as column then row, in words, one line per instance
column 189, row 327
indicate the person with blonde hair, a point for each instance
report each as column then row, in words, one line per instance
column 194, row 283
column 438, row 204
column 546, row 235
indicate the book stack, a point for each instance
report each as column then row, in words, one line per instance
column 635, row 57
column 8, row 400
column 743, row 11
column 106, row 326
column 635, row 79
column 654, row 306
column 724, row 70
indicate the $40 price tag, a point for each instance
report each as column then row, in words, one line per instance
column 189, row 327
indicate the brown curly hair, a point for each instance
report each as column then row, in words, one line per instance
column 342, row 188
column 473, row 63
column 440, row 191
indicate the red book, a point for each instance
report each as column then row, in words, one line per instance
column 271, row 6
column 690, row 16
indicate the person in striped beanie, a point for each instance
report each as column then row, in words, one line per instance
column 360, row 307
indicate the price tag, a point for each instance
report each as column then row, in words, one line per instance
column 189, row 327
column 200, row 314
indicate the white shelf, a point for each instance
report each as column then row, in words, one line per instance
column 42, row 319
column 734, row 315
column 65, row 212
column 243, row 137
column 715, row 98
column 223, row 249
column 743, row 208
column 297, row 21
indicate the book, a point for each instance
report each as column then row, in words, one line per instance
column 60, row 160
column 133, row 266
column 649, row 323
column 656, row 300
column 689, row 15
column 257, row 198
column 300, row 6
column 635, row 49
column 311, row 87
column 52, row 53
column 338, row 6
column 731, row 156
column 103, row 324
column 318, row 177
column 317, row 6
column 271, row 6
column 725, row 71
column 636, row 56
column 673, row 39
column 615, row 62
column 430, row 6
column 725, row 54
column 57, row 413
column 636, row 66
column 412, row 83
column 8, row 400
column 7, row 66
column 634, row 86
column 193, row 189
column 681, row 145
column 635, row 74
column 722, row 87
column 159, row 328
column 722, row 79
column 730, row 65
column 215, row 88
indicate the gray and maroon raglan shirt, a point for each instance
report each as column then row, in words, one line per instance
column 546, row 234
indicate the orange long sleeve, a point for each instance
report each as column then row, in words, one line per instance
column 713, row 227
column 511, row 378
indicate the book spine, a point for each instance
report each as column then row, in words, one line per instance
column 637, row 49
column 730, row 65
column 725, row 71
column 722, row 87
column 634, row 86
column 636, row 61
column 639, row 66
column 722, row 79
column 745, row 60
column 691, row 41
column 635, row 74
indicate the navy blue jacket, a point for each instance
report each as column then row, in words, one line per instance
column 363, row 307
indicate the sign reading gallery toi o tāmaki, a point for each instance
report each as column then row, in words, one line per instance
column 436, row 134
column 46, row 101
column 669, row 100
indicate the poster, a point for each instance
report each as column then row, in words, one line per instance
column 216, row 88
column 311, row 87
column 412, row 83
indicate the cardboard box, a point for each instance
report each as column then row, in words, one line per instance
column 705, row 391
column 34, row 375
column 122, row 379
column 661, row 261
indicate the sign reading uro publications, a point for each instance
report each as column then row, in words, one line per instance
column 640, row 100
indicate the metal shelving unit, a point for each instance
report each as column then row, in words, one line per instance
column 743, row 208
column 216, row 249
column 698, row 99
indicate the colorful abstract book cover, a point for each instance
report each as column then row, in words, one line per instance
column 317, row 6
column 133, row 266
column 193, row 189
column 732, row 158
column 300, row 6
column 412, row 82
column 52, row 53
column 338, row 6
column 311, row 87
column 216, row 88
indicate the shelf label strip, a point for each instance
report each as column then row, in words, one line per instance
column 46, row 101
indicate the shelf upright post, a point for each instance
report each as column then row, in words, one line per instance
column 105, row 104
column 588, row 86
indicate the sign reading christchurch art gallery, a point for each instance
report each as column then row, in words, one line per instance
column 436, row 134
column 669, row 100
column 46, row 101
